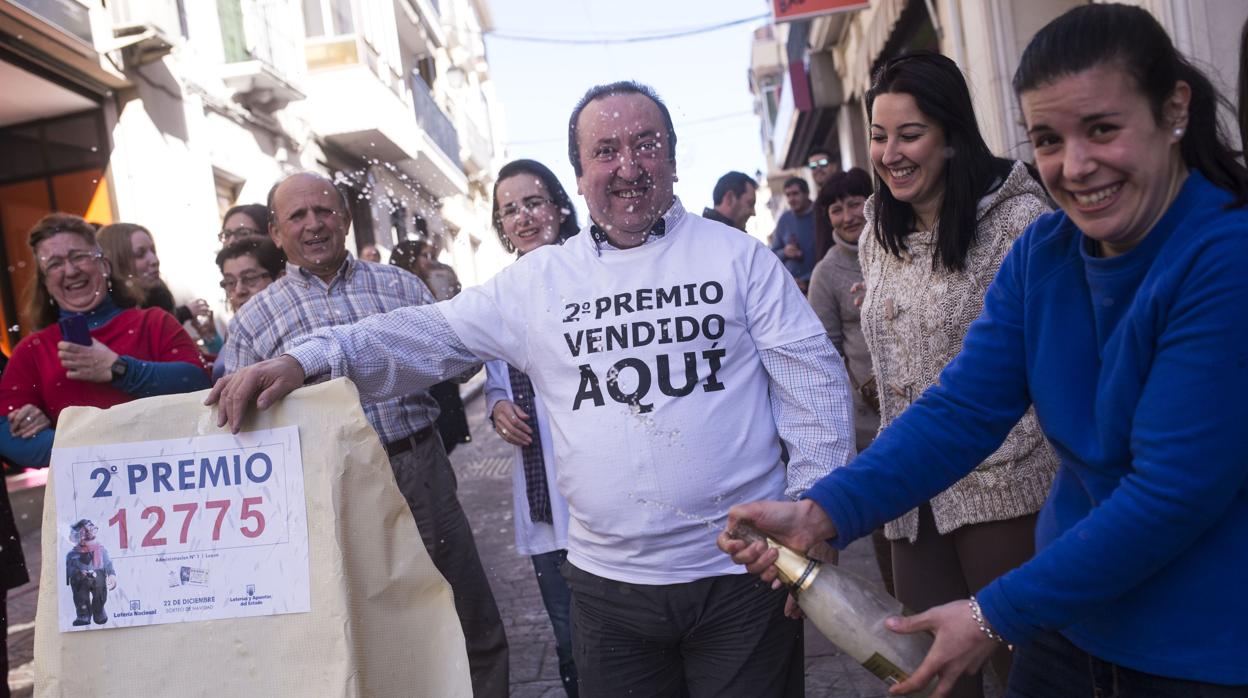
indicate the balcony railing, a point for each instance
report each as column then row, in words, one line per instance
column 480, row 149
column 433, row 121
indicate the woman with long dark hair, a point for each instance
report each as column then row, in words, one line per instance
column 944, row 214
column 1123, row 320
column 531, row 211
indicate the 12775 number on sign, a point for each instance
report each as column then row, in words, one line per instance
column 187, row 516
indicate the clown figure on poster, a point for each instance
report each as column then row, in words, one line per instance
column 89, row 573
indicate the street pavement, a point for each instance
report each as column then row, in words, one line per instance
column 484, row 470
column 27, row 509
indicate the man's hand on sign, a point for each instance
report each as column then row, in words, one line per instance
column 93, row 363
column 112, row 582
column 265, row 383
column 27, row 420
column 510, row 423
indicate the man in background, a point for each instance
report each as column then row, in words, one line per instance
column 794, row 238
column 821, row 166
column 735, row 196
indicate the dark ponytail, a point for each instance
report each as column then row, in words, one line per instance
column 1092, row 35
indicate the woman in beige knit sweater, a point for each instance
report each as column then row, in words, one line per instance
column 944, row 214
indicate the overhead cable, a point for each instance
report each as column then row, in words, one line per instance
column 663, row 36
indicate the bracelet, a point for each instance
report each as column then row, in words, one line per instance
column 978, row 615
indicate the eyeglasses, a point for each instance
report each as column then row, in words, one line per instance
column 249, row 281
column 239, row 232
column 816, row 164
column 532, row 205
column 82, row 260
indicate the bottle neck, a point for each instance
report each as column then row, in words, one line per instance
column 796, row 570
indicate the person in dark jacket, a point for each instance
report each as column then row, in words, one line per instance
column 735, row 196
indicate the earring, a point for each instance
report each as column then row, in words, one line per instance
column 1178, row 131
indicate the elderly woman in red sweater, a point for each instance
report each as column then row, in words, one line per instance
column 133, row 353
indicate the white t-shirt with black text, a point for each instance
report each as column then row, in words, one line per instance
column 648, row 361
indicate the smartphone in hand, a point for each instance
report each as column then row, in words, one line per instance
column 74, row 329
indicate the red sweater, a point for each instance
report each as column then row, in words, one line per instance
column 35, row 376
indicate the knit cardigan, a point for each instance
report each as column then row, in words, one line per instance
column 914, row 319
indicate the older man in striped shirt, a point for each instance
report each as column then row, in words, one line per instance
column 325, row 286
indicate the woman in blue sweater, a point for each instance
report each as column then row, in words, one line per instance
column 1124, row 320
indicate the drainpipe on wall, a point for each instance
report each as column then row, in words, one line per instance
column 1182, row 30
column 955, row 33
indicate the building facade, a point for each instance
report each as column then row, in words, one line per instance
column 167, row 112
column 816, row 71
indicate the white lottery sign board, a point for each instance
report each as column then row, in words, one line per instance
column 181, row 530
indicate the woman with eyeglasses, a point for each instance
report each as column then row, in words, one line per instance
column 132, row 252
column 115, row 352
column 243, row 221
column 248, row 265
column 531, row 211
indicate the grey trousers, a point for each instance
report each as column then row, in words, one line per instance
column 428, row 483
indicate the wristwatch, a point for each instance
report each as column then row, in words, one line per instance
column 119, row 370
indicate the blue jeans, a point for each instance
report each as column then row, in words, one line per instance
column 1053, row 666
column 558, row 600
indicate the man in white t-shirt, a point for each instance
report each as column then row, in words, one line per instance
column 674, row 355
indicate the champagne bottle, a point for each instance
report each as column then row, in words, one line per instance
column 849, row 610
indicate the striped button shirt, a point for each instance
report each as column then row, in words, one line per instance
column 297, row 304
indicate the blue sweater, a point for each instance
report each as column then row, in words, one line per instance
column 1138, row 368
